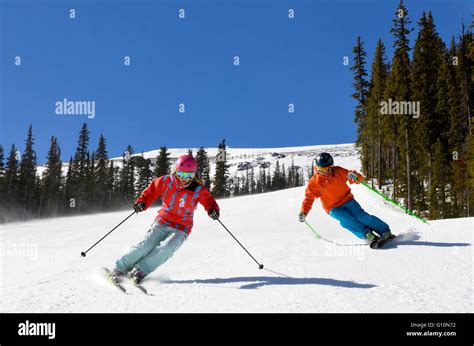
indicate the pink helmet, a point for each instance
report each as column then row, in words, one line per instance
column 186, row 163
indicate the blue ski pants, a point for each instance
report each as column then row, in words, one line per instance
column 159, row 245
column 352, row 217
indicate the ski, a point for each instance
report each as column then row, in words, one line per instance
column 140, row 287
column 108, row 275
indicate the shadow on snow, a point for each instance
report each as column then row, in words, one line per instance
column 394, row 244
column 252, row 282
column 413, row 239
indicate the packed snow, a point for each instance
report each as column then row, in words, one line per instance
column 427, row 269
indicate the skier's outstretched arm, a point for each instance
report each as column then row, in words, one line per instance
column 151, row 193
column 311, row 193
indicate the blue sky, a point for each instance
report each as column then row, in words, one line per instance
column 190, row 61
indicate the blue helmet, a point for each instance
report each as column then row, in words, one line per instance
column 324, row 160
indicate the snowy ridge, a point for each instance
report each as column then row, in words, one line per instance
column 302, row 157
column 256, row 157
column 212, row 152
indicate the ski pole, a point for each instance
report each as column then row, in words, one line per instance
column 318, row 236
column 391, row 201
column 83, row 254
column 311, row 228
column 260, row 266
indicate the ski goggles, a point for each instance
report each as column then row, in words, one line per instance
column 185, row 175
column 324, row 169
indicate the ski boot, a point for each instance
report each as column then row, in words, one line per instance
column 137, row 276
column 372, row 238
column 116, row 276
column 387, row 235
column 385, row 238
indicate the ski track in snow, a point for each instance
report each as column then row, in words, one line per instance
column 427, row 268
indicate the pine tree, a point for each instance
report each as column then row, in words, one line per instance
column 399, row 89
column 252, row 182
column 203, row 169
column 390, row 134
column 2, row 162
column 51, row 182
column 90, row 184
column 470, row 168
column 470, row 140
column 11, row 183
column 69, row 189
column 452, row 136
column 163, row 166
column 258, row 183
column 268, row 186
column 127, row 178
column 284, row 177
column 82, row 155
column 375, row 120
column 111, row 184
column 246, row 184
column 464, row 70
column 2, row 176
column 427, row 59
column 102, row 192
column 145, row 176
column 278, row 179
column 291, row 174
column 263, row 180
column 236, row 186
column 221, row 178
column 442, row 112
column 27, row 176
column 464, row 78
column 438, row 206
column 458, row 121
column 361, row 86
column 79, row 170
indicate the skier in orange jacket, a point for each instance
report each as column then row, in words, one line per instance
column 329, row 183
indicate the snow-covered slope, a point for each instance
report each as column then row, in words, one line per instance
column 428, row 270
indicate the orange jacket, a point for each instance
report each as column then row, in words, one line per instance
column 332, row 190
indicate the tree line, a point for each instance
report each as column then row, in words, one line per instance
column 92, row 182
column 281, row 178
column 424, row 160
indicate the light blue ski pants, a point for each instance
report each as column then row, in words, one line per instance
column 159, row 245
column 352, row 217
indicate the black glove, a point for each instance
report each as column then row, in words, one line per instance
column 302, row 217
column 138, row 207
column 213, row 214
